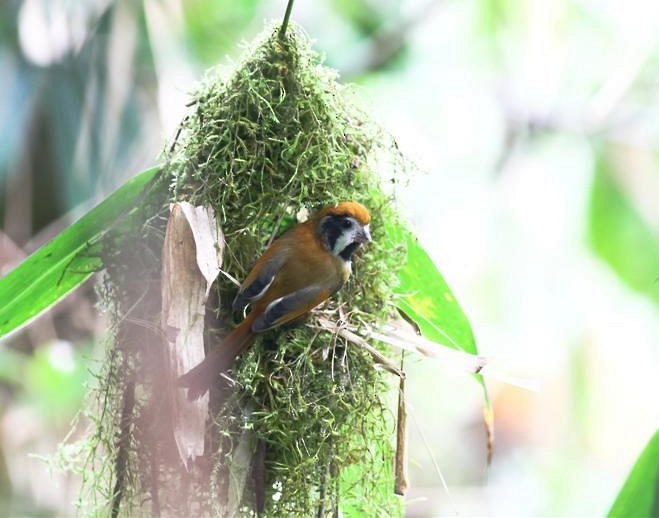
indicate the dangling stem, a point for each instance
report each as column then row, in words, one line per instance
column 400, row 465
column 284, row 24
column 121, row 461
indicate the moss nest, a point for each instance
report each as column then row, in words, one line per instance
column 279, row 137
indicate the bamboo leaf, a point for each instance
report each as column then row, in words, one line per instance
column 619, row 234
column 426, row 299
column 65, row 262
column 639, row 495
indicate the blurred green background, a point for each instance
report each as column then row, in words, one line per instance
column 535, row 126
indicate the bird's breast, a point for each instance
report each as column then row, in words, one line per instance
column 346, row 269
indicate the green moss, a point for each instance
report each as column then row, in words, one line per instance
column 279, row 136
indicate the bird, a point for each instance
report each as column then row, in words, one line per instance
column 298, row 271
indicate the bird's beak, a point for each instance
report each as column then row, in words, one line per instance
column 364, row 235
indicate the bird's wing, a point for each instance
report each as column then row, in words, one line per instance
column 289, row 307
column 259, row 280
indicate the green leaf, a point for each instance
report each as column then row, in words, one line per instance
column 425, row 297
column 619, row 234
column 64, row 263
column 639, row 495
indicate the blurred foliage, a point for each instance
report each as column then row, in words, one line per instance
column 11, row 367
column 69, row 123
column 56, row 381
column 213, row 27
column 639, row 496
column 365, row 16
column 619, row 234
column 495, row 14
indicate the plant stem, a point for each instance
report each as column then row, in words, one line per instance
column 287, row 15
column 400, row 465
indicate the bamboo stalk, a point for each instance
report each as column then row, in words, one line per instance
column 287, row 16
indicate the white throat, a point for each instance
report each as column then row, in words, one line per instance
column 342, row 242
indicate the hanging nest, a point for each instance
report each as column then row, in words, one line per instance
column 305, row 428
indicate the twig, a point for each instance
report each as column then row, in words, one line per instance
column 488, row 367
column 284, row 24
column 401, row 483
column 357, row 340
column 425, row 347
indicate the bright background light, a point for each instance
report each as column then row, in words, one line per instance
column 514, row 112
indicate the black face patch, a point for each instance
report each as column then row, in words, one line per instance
column 335, row 229
column 331, row 229
column 346, row 253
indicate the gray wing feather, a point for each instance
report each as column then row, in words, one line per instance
column 283, row 306
column 259, row 286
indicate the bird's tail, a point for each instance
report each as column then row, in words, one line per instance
column 198, row 379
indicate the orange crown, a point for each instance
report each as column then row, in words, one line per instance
column 347, row 208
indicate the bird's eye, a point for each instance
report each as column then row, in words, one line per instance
column 346, row 223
